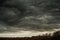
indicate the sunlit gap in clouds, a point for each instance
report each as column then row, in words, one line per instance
column 26, row 33
column 17, row 32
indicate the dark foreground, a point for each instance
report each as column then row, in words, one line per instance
column 55, row 36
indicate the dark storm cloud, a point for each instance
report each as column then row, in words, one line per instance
column 29, row 14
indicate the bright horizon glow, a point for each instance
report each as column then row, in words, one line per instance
column 25, row 33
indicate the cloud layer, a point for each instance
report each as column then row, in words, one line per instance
column 35, row 15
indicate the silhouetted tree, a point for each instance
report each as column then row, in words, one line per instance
column 56, row 35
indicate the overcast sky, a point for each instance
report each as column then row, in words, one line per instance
column 29, row 15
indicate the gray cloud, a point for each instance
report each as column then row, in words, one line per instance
column 29, row 14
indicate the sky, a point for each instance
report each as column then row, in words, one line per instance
column 29, row 16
